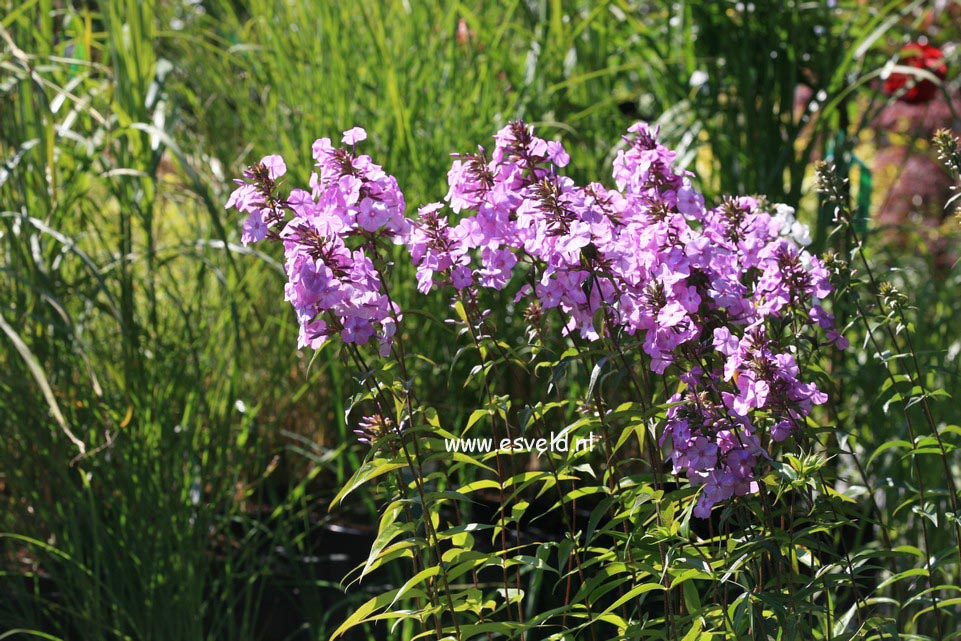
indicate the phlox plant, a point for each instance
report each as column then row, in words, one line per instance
column 702, row 328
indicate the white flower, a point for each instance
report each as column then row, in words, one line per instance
column 801, row 233
column 698, row 78
column 789, row 226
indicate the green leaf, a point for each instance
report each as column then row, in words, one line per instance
column 362, row 614
column 367, row 472
column 887, row 446
column 595, row 374
column 415, row 580
column 692, row 600
column 902, row 575
column 633, row 594
column 41, row 378
column 695, row 634
column 481, row 484
column 475, row 416
column 33, row 633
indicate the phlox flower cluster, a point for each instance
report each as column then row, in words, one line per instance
column 330, row 233
column 702, row 289
column 719, row 297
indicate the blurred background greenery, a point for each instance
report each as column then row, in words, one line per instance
column 167, row 453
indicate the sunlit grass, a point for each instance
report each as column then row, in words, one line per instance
column 132, row 313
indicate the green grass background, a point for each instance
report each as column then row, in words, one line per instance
column 166, row 451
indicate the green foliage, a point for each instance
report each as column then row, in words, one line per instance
column 125, row 494
column 141, row 500
column 762, row 86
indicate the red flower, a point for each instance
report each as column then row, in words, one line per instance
column 918, row 56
